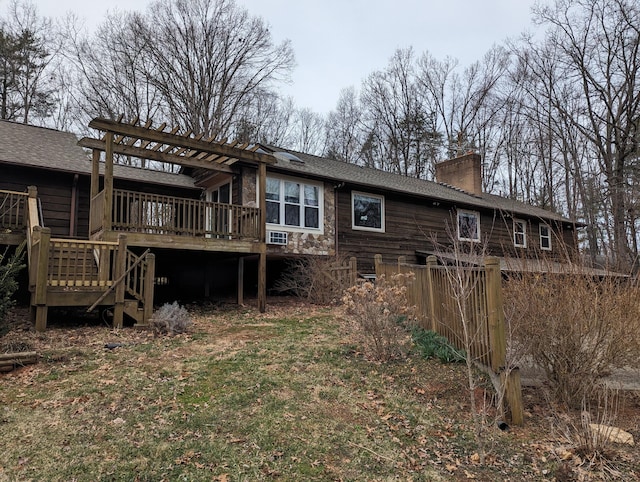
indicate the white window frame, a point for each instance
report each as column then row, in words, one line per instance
column 356, row 227
column 547, row 236
column 465, row 212
column 516, row 233
column 281, row 226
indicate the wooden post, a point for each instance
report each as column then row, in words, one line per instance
column 95, row 173
column 108, row 182
column 41, row 278
column 432, row 262
column 495, row 314
column 120, row 268
column 377, row 262
column 401, row 260
column 95, row 187
column 510, row 384
column 241, row 280
column 149, row 278
column 31, row 218
column 353, row 268
column 262, row 259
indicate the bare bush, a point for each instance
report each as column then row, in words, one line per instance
column 590, row 433
column 172, row 319
column 318, row 280
column 378, row 315
column 575, row 326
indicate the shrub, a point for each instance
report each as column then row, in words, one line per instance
column 432, row 345
column 311, row 278
column 576, row 327
column 378, row 314
column 10, row 266
column 171, row 318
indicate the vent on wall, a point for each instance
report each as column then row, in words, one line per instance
column 276, row 237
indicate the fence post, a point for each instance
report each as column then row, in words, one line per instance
column 432, row 262
column 509, row 379
column 510, row 384
column 120, row 269
column 353, row 270
column 377, row 261
column 495, row 314
column 41, row 279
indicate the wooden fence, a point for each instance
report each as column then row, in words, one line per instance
column 463, row 304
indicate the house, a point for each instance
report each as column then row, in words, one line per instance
column 232, row 214
column 367, row 212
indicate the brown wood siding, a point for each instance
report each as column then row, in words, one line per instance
column 55, row 193
column 415, row 224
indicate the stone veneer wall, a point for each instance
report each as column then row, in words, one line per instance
column 310, row 243
column 299, row 243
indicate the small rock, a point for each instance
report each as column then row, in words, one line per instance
column 614, row 434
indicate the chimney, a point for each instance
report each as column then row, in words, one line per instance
column 464, row 172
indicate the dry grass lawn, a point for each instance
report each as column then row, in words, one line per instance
column 249, row 396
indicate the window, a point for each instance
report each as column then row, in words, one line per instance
column 520, row 233
column 545, row 237
column 367, row 211
column 468, row 226
column 293, row 203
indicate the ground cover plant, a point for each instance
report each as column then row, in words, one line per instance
column 249, row 396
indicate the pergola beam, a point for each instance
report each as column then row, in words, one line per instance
column 152, row 155
column 173, row 139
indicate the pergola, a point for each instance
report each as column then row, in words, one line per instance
column 185, row 149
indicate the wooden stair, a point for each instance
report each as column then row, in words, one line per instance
column 74, row 272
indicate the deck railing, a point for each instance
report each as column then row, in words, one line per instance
column 13, row 208
column 160, row 214
column 78, row 263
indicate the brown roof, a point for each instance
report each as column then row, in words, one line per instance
column 41, row 147
column 338, row 171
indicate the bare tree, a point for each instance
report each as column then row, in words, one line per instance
column 462, row 103
column 599, row 45
column 395, row 114
column 343, row 128
column 308, row 129
column 201, row 64
column 27, row 49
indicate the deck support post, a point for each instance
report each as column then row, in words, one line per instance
column 262, row 260
column 149, row 282
column 39, row 303
column 241, row 280
column 120, row 268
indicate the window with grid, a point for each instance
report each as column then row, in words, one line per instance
column 293, row 203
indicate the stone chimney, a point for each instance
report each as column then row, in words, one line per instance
column 464, row 172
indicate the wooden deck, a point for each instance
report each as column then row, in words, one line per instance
column 159, row 221
column 75, row 272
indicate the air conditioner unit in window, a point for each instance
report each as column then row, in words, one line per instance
column 277, row 237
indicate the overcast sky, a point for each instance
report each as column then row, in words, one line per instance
column 338, row 43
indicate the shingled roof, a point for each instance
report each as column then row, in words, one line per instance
column 27, row 145
column 338, row 171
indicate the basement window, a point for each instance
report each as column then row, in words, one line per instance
column 468, row 226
